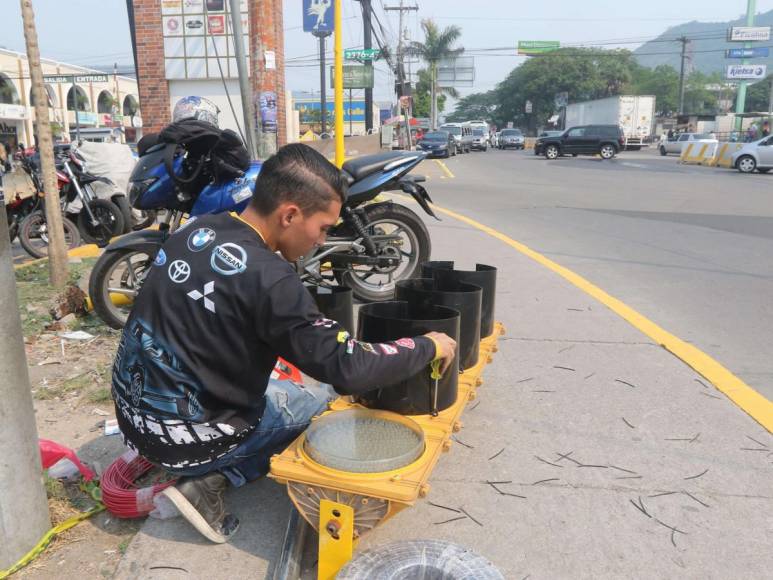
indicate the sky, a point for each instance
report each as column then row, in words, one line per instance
column 95, row 32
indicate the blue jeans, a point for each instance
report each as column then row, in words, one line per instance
column 289, row 409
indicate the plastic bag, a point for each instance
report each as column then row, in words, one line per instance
column 51, row 453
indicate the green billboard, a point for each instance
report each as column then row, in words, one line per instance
column 536, row 47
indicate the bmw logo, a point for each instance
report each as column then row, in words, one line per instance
column 200, row 239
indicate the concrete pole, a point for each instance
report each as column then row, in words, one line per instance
column 684, row 40
column 23, row 505
column 57, row 251
column 338, row 84
column 248, row 102
column 740, row 103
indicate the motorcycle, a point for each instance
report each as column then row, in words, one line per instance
column 375, row 244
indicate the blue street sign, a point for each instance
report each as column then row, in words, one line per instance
column 747, row 52
column 318, row 17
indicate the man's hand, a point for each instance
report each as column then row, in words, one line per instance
column 446, row 348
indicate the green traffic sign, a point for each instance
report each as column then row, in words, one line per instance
column 355, row 76
column 362, row 54
column 534, row 47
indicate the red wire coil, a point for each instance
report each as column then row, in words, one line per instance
column 120, row 493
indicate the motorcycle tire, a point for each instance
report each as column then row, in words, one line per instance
column 33, row 237
column 148, row 219
column 415, row 229
column 110, row 224
column 122, row 203
column 99, row 285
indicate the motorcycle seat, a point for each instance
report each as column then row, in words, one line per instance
column 361, row 167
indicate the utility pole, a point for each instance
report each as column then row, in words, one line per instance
column 23, row 504
column 57, row 252
column 400, row 60
column 685, row 41
column 248, row 102
column 367, row 42
column 740, row 103
column 322, row 81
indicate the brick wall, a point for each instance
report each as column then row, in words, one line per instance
column 154, row 90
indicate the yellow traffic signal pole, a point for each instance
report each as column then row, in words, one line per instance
column 338, row 85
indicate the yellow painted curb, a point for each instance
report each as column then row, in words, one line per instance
column 745, row 397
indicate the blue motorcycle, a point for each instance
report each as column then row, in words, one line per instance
column 375, row 244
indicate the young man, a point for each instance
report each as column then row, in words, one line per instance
column 191, row 380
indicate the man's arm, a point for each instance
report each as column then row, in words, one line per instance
column 290, row 322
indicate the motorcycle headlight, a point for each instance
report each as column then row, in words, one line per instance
column 138, row 188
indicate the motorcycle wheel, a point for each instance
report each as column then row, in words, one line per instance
column 114, row 283
column 376, row 284
column 122, row 203
column 109, row 222
column 33, row 234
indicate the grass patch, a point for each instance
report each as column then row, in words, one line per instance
column 35, row 293
column 101, row 395
column 86, row 385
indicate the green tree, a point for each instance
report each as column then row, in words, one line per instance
column 422, row 95
column 474, row 106
column 758, row 95
column 438, row 45
column 662, row 81
column 698, row 98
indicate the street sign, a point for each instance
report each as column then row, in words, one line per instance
column 456, row 72
column 362, row 54
column 561, row 99
column 535, row 47
column 529, row 107
column 318, row 17
column 746, row 71
column 78, row 79
column 748, row 33
column 356, row 76
column 760, row 52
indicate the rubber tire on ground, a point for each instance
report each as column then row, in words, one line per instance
column 574, row 154
column 410, row 559
column 763, row 170
column 379, row 212
column 104, row 207
column 552, row 152
column 98, row 285
column 752, row 167
column 38, row 216
column 663, row 151
column 610, row 151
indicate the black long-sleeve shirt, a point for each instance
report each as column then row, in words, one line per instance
column 215, row 311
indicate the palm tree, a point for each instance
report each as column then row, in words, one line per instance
column 437, row 45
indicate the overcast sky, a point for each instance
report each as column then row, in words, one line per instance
column 95, row 32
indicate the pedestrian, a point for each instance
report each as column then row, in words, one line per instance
column 766, row 128
column 671, row 134
column 191, row 378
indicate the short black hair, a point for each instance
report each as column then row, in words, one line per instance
column 299, row 174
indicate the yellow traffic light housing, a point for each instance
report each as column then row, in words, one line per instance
column 370, row 498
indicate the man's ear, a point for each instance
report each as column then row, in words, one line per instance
column 288, row 212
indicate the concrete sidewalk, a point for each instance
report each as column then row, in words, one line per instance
column 628, row 464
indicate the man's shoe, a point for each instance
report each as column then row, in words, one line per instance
column 200, row 501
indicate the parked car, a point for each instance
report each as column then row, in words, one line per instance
column 462, row 134
column 540, row 138
column 479, row 139
column 438, row 144
column 512, row 138
column 755, row 155
column 603, row 140
column 674, row 145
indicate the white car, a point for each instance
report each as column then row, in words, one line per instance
column 674, row 146
column 755, row 155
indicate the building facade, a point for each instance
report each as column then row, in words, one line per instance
column 105, row 110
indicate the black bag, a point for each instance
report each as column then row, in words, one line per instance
column 221, row 152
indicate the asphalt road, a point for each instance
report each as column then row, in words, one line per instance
column 689, row 247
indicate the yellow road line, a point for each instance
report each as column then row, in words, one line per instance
column 745, row 397
column 445, row 168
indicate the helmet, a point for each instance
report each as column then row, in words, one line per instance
column 195, row 108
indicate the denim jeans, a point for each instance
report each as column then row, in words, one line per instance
column 289, row 409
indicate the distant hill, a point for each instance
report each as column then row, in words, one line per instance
column 707, row 47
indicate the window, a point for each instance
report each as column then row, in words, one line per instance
column 684, row 137
column 576, row 132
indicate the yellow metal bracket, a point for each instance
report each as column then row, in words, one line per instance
column 336, row 538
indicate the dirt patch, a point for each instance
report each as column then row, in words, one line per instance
column 70, row 381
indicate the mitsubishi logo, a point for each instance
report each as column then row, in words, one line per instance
column 209, row 288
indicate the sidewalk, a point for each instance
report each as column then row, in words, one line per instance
column 637, row 429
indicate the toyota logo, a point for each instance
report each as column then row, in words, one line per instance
column 179, row 271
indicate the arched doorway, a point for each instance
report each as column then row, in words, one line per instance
column 53, row 102
column 8, row 93
column 82, row 99
column 105, row 103
column 130, row 105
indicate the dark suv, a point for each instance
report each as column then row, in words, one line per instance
column 604, row 140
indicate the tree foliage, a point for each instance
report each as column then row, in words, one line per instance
column 421, row 95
